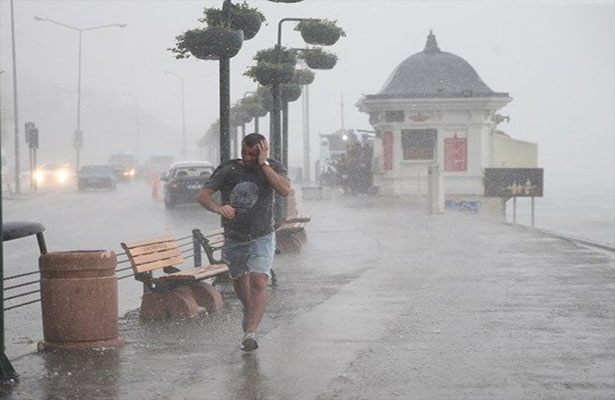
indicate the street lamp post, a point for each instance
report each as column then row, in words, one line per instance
column 306, row 134
column 7, row 372
column 181, row 81
column 278, row 143
column 15, row 105
column 224, row 81
column 78, row 135
column 243, row 126
column 137, row 144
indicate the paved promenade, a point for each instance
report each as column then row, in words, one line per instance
column 384, row 302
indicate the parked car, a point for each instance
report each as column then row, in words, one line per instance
column 96, row 177
column 53, row 175
column 183, row 181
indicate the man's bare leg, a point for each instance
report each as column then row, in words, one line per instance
column 242, row 289
column 256, row 300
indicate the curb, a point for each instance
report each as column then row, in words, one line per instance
column 570, row 238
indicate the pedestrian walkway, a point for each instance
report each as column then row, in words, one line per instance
column 384, row 302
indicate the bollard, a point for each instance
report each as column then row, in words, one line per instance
column 435, row 189
column 79, row 300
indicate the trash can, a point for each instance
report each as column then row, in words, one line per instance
column 79, row 300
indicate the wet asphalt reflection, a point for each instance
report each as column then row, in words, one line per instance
column 383, row 302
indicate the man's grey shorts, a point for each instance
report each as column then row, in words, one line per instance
column 253, row 256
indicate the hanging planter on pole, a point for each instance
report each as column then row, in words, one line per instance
column 276, row 54
column 243, row 17
column 239, row 115
column 254, row 106
column 211, row 43
column 303, row 77
column 320, row 32
column 316, row 58
column 275, row 65
column 290, row 92
column 267, row 74
column 264, row 93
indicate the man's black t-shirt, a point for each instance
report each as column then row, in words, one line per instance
column 249, row 192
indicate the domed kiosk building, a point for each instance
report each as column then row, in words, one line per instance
column 435, row 108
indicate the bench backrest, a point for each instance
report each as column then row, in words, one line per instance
column 151, row 254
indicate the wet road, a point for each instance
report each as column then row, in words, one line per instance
column 384, row 302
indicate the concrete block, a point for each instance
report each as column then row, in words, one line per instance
column 288, row 243
column 181, row 303
column 152, row 306
column 208, row 297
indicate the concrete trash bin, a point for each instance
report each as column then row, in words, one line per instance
column 79, row 300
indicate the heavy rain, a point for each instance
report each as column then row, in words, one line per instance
column 450, row 233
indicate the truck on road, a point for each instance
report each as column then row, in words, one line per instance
column 124, row 165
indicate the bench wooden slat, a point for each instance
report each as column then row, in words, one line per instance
column 291, row 227
column 220, row 268
column 198, row 273
column 152, row 248
column 145, row 242
column 217, row 236
column 159, row 255
column 299, row 218
column 169, row 262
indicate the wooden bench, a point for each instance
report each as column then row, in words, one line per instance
column 164, row 253
column 290, row 235
column 176, row 292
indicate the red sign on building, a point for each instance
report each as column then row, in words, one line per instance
column 387, row 146
column 455, row 154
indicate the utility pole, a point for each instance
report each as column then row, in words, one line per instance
column 15, row 105
column 78, row 134
column 306, row 134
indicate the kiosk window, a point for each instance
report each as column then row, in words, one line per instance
column 418, row 144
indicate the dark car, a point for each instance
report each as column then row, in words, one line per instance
column 96, row 177
column 184, row 180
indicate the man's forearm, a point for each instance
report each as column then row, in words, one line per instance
column 279, row 183
column 206, row 199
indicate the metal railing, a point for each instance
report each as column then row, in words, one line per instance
column 191, row 248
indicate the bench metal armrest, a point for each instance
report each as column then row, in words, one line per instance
column 204, row 243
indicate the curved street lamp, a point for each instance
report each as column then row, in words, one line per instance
column 280, row 136
column 181, row 81
column 78, row 135
column 277, row 140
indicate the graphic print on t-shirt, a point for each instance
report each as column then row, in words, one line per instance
column 243, row 196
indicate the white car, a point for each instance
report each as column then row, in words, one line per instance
column 53, row 175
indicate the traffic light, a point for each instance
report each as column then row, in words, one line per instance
column 31, row 135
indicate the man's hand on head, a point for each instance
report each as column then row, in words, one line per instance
column 263, row 151
column 226, row 211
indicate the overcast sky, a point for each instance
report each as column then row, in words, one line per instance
column 556, row 59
